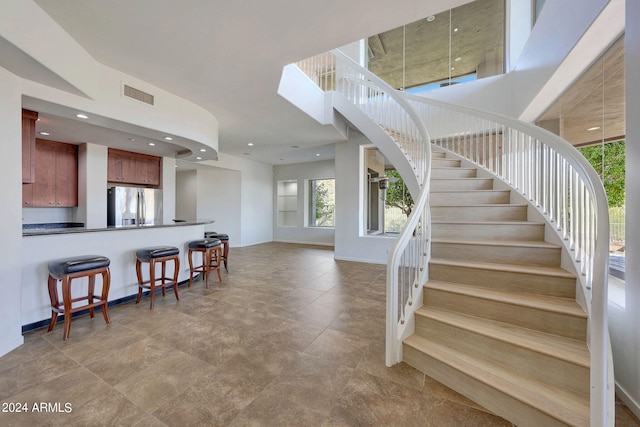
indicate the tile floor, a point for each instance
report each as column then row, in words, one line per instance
column 291, row 337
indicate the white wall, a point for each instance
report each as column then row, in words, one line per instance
column 92, row 179
column 219, row 192
column 624, row 321
column 186, row 194
column 10, row 211
column 350, row 243
column 256, row 201
column 301, row 173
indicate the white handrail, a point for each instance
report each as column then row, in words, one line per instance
column 564, row 187
column 409, row 256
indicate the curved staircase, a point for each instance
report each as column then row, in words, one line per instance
column 499, row 323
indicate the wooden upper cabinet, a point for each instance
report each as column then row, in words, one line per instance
column 28, row 146
column 56, row 184
column 126, row 167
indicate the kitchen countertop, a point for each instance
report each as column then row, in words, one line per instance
column 50, row 229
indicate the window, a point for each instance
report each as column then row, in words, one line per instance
column 322, row 201
column 387, row 200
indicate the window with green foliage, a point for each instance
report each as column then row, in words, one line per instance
column 609, row 161
column 398, row 202
column 322, row 201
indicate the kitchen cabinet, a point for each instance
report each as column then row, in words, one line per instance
column 56, row 184
column 125, row 167
column 28, row 146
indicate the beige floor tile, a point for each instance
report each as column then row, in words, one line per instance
column 338, row 347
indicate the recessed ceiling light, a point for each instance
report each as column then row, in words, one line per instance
column 152, row 144
column 44, row 133
column 453, row 68
column 198, row 158
column 82, row 116
column 593, row 128
column 431, row 18
column 458, row 59
column 168, row 138
column 250, row 144
column 455, row 30
column 131, row 139
column 317, row 154
column 202, row 150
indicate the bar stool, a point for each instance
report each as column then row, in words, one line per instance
column 224, row 238
column 153, row 255
column 211, row 251
column 66, row 270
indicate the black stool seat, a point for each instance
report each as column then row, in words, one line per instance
column 214, row 235
column 204, row 244
column 77, row 264
column 156, row 252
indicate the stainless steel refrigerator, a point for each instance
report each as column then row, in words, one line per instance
column 131, row 206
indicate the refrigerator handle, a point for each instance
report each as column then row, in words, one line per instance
column 142, row 211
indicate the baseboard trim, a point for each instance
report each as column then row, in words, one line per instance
column 297, row 242
column 368, row 261
column 628, row 400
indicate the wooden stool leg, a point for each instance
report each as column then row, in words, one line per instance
column 55, row 302
column 206, row 266
column 106, row 282
column 66, row 298
column 176, row 270
column 226, row 255
column 219, row 256
column 92, row 287
column 139, row 274
column 152, row 281
column 164, row 276
column 190, row 267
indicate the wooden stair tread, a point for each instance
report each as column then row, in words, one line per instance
column 556, row 346
column 512, row 268
column 463, row 222
column 560, row 305
column 568, row 407
column 485, row 205
column 512, row 243
column 467, row 191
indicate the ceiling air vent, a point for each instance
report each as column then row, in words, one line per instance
column 134, row 93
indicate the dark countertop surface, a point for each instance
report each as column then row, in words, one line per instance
column 70, row 228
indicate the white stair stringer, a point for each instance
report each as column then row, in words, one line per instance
column 499, row 323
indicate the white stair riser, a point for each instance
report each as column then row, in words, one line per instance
column 452, row 173
column 462, row 198
column 445, row 163
column 527, row 317
column 484, row 394
column 524, row 255
column 485, row 231
column 507, row 280
column 479, row 213
column 461, row 184
column 534, row 364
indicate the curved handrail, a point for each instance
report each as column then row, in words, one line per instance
column 408, row 258
column 564, row 187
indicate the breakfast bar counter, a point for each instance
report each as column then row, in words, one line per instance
column 119, row 244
